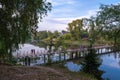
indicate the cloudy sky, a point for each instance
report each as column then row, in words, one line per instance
column 64, row 11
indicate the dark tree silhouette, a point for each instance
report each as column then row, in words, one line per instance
column 91, row 64
column 18, row 19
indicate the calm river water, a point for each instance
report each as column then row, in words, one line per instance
column 110, row 64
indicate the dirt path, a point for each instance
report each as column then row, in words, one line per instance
column 30, row 73
column 39, row 73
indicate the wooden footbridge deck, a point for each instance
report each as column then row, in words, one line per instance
column 72, row 54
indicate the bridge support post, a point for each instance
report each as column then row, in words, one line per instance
column 49, row 59
column 76, row 54
column 79, row 54
column 101, row 50
column 59, row 56
column 106, row 50
column 98, row 51
column 44, row 57
column 83, row 53
column 64, row 56
column 71, row 55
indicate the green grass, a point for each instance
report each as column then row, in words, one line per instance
column 76, row 43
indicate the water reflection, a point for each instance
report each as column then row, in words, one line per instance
column 73, row 66
column 110, row 64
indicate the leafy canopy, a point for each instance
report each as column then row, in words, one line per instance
column 109, row 20
column 18, row 19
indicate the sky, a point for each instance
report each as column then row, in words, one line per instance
column 65, row 11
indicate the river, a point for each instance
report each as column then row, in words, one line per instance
column 110, row 62
column 110, row 65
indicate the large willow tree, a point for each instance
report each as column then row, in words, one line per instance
column 18, row 19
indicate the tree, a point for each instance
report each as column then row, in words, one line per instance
column 18, row 19
column 92, row 61
column 75, row 28
column 66, row 36
column 92, row 27
column 91, row 64
column 50, row 34
column 42, row 34
column 56, row 34
column 109, row 20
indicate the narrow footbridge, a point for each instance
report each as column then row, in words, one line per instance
column 70, row 54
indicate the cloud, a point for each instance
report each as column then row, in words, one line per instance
column 63, row 8
column 52, row 23
column 64, row 12
column 62, row 2
column 51, row 26
column 92, row 12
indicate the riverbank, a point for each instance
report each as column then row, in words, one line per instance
column 39, row 73
column 70, row 74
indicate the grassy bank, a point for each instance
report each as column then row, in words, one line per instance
column 71, row 75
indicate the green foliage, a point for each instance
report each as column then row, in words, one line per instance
column 75, row 28
column 66, row 36
column 91, row 64
column 18, row 19
column 42, row 34
column 50, row 38
column 50, row 34
column 56, row 34
column 92, row 28
column 109, row 21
